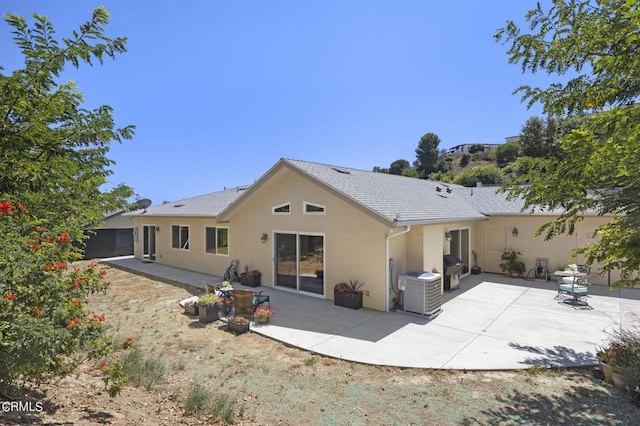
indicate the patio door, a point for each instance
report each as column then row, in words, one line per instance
column 299, row 262
column 149, row 242
column 459, row 247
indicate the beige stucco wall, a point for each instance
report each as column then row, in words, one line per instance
column 195, row 259
column 496, row 236
column 354, row 241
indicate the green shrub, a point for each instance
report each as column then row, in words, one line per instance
column 511, row 264
column 142, row 371
column 42, row 318
column 197, row 399
column 201, row 400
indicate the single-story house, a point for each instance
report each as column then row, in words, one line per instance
column 307, row 226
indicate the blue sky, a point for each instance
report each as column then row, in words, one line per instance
column 220, row 90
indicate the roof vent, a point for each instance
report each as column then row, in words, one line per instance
column 438, row 189
column 346, row 172
column 449, row 190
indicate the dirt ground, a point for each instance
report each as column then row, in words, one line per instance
column 273, row 384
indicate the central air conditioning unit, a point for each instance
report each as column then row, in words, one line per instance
column 421, row 292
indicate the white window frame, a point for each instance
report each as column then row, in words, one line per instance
column 215, row 242
column 306, row 203
column 187, row 243
column 274, row 208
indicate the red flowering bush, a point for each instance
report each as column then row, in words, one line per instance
column 44, row 330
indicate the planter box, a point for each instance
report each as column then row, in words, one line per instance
column 191, row 310
column 208, row 314
column 348, row 300
column 251, row 280
column 237, row 328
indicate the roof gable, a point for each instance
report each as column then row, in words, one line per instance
column 393, row 199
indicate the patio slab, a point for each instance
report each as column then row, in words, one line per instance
column 492, row 322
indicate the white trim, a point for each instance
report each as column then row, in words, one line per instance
column 324, row 262
column 468, row 261
column 188, row 242
column 304, row 209
column 142, row 241
column 274, row 212
column 215, row 243
column 387, row 270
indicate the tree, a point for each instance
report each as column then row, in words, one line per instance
column 475, row 148
column 464, row 160
column 541, row 138
column 507, row 152
column 596, row 45
column 53, row 155
column 427, row 155
column 533, row 137
column 488, row 175
column 52, row 164
column 398, row 166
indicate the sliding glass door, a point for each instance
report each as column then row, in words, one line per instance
column 149, row 242
column 299, row 262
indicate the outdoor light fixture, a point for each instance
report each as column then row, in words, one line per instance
column 264, row 237
column 447, row 235
column 514, row 232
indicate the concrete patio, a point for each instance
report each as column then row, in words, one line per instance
column 491, row 323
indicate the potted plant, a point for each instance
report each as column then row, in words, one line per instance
column 208, row 308
column 262, row 314
column 238, row 324
column 191, row 308
column 511, row 264
column 475, row 269
column 348, row 295
column 225, row 304
column 619, row 358
column 250, row 278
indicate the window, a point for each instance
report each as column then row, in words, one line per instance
column 313, row 208
column 180, row 237
column 282, row 209
column 217, row 240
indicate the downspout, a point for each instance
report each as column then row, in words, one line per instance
column 387, row 267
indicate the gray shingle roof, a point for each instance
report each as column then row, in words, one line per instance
column 487, row 200
column 203, row 205
column 399, row 199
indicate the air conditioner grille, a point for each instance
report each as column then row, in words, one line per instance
column 421, row 296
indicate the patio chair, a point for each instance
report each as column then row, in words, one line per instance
column 574, row 292
column 584, row 269
column 243, row 302
column 259, row 299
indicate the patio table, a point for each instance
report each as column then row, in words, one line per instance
column 569, row 273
